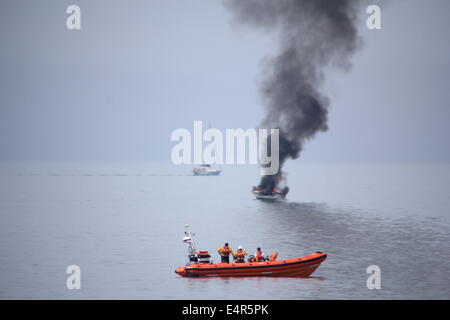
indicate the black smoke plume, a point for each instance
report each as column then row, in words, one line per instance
column 312, row 34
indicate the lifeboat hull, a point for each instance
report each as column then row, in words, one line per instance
column 297, row 267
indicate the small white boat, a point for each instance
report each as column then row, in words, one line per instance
column 206, row 170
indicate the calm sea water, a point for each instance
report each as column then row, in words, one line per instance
column 123, row 225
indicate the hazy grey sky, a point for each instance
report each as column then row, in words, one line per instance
column 137, row 70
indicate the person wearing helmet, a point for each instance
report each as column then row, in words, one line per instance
column 239, row 255
column 225, row 252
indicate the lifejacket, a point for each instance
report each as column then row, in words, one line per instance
column 259, row 256
column 225, row 252
column 240, row 255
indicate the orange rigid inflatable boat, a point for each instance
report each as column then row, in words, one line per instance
column 200, row 264
column 297, row 267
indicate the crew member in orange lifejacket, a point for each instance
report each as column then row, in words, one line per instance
column 259, row 255
column 225, row 252
column 239, row 256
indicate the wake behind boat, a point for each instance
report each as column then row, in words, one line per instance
column 206, row 170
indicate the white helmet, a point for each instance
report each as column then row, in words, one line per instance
column 240, row 248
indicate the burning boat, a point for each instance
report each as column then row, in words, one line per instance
column 274, row 194
column 268, row 188
column 292, row 79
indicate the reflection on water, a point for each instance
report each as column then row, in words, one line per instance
column 403, row 247
column 124, row 229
